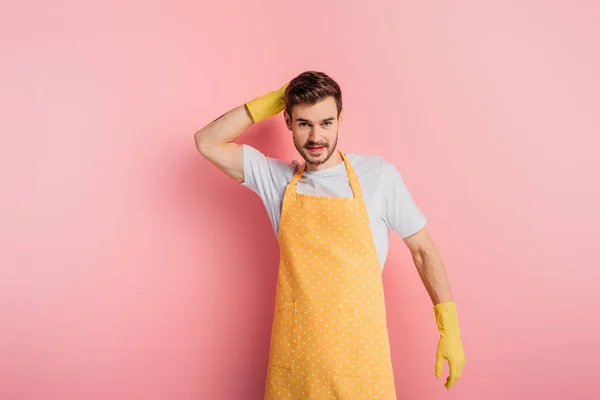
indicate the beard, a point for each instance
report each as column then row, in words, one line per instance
column 316, row 159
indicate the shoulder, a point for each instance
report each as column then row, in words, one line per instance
column 377, row 173
column 370, row 163
column 259, row 163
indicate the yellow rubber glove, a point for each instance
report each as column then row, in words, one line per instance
column 450, row 345
column 267, row 105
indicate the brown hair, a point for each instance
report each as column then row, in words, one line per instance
column 311, row 87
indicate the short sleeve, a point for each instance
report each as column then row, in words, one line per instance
column 267, row 177
column 402, row 214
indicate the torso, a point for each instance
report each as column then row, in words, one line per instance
column 333, row 182
column 387, row 199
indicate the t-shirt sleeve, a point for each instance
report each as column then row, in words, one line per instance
column 402, row 214
column 267, row 177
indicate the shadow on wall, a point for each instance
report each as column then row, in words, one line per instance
column 238, row 254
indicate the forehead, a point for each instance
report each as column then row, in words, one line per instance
column 325, row 108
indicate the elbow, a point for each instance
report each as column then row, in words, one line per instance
column 201, row 143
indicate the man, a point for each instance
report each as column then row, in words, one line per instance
column 332, row 215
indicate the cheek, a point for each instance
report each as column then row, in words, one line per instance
column 331, row 134
column 300, row 136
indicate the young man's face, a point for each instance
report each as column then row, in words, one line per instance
column 315, row 129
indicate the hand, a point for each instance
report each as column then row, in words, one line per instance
column 267, row 105
column 450, row 346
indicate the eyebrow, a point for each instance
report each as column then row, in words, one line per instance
column 323, row 120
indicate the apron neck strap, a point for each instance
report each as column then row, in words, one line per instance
column 352, row 178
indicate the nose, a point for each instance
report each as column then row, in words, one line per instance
column 315, row 134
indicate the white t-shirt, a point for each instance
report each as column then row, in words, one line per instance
column 390, row 205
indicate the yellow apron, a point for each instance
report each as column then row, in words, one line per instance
column 329, row 337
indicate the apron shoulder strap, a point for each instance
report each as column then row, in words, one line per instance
column 352, row 177
column 296, row 177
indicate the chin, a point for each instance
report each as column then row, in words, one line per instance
column 315, row 160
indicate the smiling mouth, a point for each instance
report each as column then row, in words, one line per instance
column 316, row 149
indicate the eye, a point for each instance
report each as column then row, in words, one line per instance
column 327, row 122
column 303, row 124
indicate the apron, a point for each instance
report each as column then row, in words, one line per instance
column 329, row 337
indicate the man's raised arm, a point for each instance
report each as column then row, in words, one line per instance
column 216, row 141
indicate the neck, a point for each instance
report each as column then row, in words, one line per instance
column 334, row 160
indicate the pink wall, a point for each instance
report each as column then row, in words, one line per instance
column 130, row 268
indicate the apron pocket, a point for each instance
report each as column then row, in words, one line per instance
column 363, row 345
column 282, row 336
column 314, row 340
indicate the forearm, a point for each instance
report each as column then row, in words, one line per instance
column 224, row 130
column 216, row 141
column 433, row 274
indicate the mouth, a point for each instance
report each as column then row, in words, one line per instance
column 316, row 150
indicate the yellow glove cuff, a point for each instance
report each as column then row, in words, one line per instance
column 267, row 105
column 446, row 317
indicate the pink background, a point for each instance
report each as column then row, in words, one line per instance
column 130, row 268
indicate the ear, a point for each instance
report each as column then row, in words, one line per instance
column 341, row 117
column 288, row 119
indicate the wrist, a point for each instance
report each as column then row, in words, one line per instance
column 446, row 317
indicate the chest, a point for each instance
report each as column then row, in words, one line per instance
column 337, row 185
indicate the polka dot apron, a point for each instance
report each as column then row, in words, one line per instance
column 329, row 337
